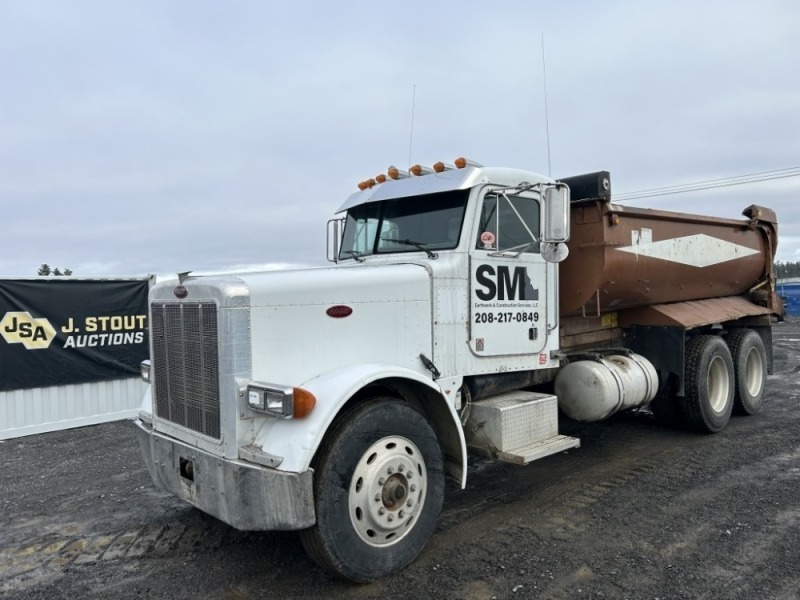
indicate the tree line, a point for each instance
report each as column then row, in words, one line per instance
column 45, row 270
column 784, row 270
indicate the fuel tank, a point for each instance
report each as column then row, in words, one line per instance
column 623, row 257
column 595, row 389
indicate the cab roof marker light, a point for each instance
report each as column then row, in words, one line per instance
column 462, row 162
column 366, row 184
column 380, row 178
column 419, row 170
column 396, row 173
column 440, row 166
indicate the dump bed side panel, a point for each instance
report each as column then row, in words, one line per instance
column 623, row 257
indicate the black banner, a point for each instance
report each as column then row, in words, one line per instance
column 61, row 331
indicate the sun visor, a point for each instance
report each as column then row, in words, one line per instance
column 459, row 179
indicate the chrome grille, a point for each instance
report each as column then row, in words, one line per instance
column 186, row 365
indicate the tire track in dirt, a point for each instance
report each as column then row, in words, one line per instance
column 41, row 558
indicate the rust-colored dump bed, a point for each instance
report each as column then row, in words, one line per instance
column 623, row 257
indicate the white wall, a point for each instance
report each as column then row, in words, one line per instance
column 38, row 410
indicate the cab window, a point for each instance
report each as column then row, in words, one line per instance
column 509, row 224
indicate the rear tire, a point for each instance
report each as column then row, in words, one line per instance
column 750, row 368
column 708, row 384
column 378, row 487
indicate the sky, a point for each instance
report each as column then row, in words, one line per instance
column 157, row 137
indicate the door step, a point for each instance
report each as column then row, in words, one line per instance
column 526, row 454
column 516, row 427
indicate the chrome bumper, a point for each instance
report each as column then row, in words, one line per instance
column 244, row 495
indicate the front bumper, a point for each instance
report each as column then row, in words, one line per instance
column 244, row 495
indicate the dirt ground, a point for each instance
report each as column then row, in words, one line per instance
column 638, row 511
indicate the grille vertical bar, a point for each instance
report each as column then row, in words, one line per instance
column 186, row 365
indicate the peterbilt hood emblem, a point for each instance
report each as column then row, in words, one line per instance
column 180, row 292
column 339, row 311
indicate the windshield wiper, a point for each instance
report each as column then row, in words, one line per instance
column 354, row 254
column 408, row 242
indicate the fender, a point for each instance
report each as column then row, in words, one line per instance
column 296, row 440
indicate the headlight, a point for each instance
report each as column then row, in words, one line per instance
column 280, row 401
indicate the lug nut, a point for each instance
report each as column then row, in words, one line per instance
column 410, row 502
column 410, row 474
column 401, row 467
column 381, row 481
column 413, row 488
column 390, row 470
column 381, row 511
column 401, row 514
column 390, row 517
column 377, row 497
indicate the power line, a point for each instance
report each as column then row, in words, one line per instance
column 710, row 184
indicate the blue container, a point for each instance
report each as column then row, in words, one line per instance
column 790, row 293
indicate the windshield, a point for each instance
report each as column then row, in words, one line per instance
column 428, row 222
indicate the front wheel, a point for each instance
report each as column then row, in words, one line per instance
column 750, row 366
column 708, row 384
column 379, row 485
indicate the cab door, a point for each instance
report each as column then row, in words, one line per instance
column 508, row 277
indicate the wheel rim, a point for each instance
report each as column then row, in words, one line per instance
column 754, row 372
column 718, row 384
column 387, row 491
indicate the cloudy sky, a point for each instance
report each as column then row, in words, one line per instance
column 155, row 137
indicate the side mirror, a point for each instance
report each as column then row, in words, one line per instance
column 334, row 239
column 556, row 213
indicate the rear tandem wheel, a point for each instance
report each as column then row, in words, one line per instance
column 708, row 384
column 750, row 365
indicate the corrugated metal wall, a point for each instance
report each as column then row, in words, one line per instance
column 38, row 410
column 790, row 292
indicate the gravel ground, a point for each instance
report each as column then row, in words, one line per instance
column 638, row 511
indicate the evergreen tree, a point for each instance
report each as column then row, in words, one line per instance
column 45, row 271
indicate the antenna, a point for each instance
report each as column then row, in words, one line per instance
column 546, row 116
column 411, row 138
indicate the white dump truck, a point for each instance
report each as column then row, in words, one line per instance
column 468, row 307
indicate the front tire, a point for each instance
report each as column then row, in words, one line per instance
column 750, row 367
column 708, row 383
column 379, row 485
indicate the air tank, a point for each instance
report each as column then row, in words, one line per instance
column 623, row 257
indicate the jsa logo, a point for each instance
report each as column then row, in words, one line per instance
column 503, row 284
column 22, row 328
